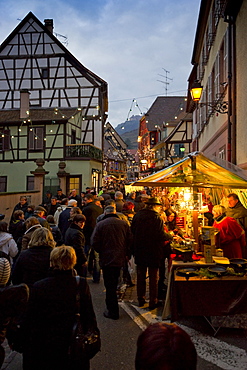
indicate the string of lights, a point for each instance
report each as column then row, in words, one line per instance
column 56, row 112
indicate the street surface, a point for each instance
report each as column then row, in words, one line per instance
column 228, row 350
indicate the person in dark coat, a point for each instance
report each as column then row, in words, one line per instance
column 56, row 232
column 149, row 237
column 60, row 196
column 74, row 237
column 119, row 201
column 22, row 205
column 17, row 227
column 52, row 207
column 33, row 263
column 39, row 213
column 111, row 238
column 51, row 314
column 64, row 217
column 75, row 196
column 13, row 304
column 91, row 211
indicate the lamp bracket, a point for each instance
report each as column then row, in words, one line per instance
column 217, row 106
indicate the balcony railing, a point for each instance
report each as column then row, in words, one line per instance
column 83, row 151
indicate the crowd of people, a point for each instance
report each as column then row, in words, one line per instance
column 84, row 234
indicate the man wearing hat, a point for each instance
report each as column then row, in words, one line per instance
column 149, row 237
column 39, row 213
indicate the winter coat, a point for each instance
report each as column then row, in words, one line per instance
column 119, row 205
column 60, row 209
column 27, row 236
column 51, row 316
column 74, row 237
column 239, row 212
column 63, row 221
column 149, row 237
column 91, row 211
column 17, row 229
column 57, row 235
column 8, row 245
column 32, row 265
column 13, row 303
column 112, row 239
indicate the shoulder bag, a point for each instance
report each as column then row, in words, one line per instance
column 82, row 346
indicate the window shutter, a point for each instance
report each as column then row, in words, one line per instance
column 40, row 138
column 6, row 141
column 31, row 140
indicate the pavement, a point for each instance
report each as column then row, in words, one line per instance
column 13, row 360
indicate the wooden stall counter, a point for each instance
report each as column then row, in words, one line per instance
column 219, row 296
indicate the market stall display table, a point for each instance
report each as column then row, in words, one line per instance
column 220, row 296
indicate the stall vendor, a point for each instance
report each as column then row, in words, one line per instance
column 232, row 236
column 171, row 223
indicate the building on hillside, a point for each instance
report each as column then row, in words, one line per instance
column 115, row 154
column 219, row 67
column 155, row 126
column 52, row 112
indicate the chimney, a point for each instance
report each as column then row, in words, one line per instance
column 49, row 24
column 24, row 104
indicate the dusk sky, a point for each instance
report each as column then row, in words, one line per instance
column 127, row 43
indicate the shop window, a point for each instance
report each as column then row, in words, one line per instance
column 3, row 184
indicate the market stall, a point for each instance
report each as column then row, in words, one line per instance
column 191, row 181
column 188, row 183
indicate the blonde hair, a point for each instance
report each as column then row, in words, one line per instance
column 63, row 258
column 42, row 236
column 219, row 209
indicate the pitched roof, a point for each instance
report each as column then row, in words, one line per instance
column 30, row 16
column 165, row 109
column 13, row 115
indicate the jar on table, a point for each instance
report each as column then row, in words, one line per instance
column 219, row 252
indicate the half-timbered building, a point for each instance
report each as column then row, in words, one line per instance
column 155, row 127
column 52, row 112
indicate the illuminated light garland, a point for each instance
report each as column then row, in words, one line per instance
column 56, row 111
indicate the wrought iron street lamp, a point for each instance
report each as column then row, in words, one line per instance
column 217, row 105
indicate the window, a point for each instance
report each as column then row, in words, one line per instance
column 3, row 184
column 74, row 182
column 36, row 139
column 30, row 183
column 45, row 73
column 4, row 140
column 222, row 152
column 73, row 137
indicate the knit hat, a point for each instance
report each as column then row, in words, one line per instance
column 4, row 271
